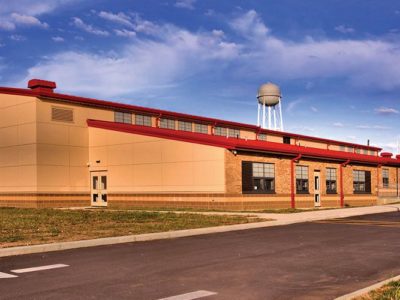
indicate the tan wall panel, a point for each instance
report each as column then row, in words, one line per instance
column 54, row 155
column 157, row 165
column 250, row 135
column 120, row 154
column 150, row 152
column 9, row 136
column 53, row 133
column 54, row 177
column 27, row 133
column 78, row 156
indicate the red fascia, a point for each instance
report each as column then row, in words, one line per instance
column 241, row 144
column 46, row 93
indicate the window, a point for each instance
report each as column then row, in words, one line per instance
column 258, row 177
column 143, row 120
column 365, row 151
column 234, row 133
column 342, row 148
column 220, row 131
column 302, row 179
column 371, row 152
column 123, row 117
column 385, row 178
column 201, row 128
column 361, row 182
column 350, row 149
column 167, row 123
column 330, row 181
column 286, row 140
column 262, row 137
column 358, row 151
column 185, row 126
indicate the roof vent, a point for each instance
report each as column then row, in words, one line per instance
column 41, row 85
column 386, row 154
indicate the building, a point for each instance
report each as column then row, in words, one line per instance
column 60, row 150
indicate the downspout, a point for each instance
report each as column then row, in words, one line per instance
column 341, row 182
column 377, row 181
column 292, row 195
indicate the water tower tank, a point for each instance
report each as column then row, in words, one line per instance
column 269, row 94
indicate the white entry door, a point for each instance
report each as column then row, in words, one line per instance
column 99, row 188
column 317, row 189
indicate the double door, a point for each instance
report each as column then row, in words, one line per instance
column 98, row 188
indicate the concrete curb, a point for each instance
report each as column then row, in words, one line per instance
column 284, row 220
column 367, row 289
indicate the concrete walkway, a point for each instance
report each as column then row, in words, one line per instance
column 273, row 220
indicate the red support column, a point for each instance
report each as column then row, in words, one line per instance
column 292, row 194
column 341, row 182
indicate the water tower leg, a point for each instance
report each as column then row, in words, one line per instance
column 269, row 117
column 258, row 115
column 263, row 117
column 280, row 113
column 274, row 117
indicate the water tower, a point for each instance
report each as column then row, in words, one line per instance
column 269, row 97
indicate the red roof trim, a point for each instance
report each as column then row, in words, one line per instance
column 241, row 144
column 165, row 113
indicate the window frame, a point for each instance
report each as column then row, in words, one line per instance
column 329, row 181
column 265, row 179
column 286, row 140
column 220, row 131
column 167, row 123
column 144, row 122
column 184, row 126
column 385, row 179
column 233, row 133
column 200, row 128
column 358, row 183
column 125, row 117
column 301, row 181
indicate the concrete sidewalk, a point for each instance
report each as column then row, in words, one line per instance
column 274, row 220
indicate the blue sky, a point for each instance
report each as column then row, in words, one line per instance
column 337, row 62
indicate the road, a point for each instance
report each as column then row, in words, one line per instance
column 316, row 260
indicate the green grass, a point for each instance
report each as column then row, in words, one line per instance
column 273, row 211
column 37, row 226
column 390, row 291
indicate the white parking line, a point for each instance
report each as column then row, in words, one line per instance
column 27, row 270
column 5, row 275
column 190, row 296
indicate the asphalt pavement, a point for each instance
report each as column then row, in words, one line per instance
column 313, row 260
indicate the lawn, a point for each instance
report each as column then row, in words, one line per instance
column 390, row 291
column 20, row 226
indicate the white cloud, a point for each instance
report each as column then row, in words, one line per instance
column 25, row 12
column 338, row 124
column 28, row 20
column 377, row 127
column 314, row 109
column 17, row 37
column 125, row 33
column 188, row 4
column 293, row 104
column 386, row 111
column 250, row 25
column 344, row 29
column 88, row 28
column 120, row 18
column 142, row 65
column 57, row 39
column 366, row 64
column 7, row 25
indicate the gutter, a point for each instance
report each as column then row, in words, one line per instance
column 292, row 194
column 344, row 164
